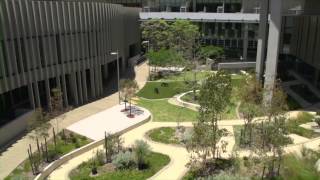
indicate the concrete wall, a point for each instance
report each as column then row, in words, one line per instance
column 14, row 128
column 55, row 39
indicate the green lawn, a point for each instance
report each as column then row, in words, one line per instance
column 186, row 76
column 230, row 112
column 164, row 135
column 164, row 91
column 166, row 112
column 156, row 162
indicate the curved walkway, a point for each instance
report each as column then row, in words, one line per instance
column 178, row 155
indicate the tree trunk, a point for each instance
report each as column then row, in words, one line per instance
column 130, row 107
column 46, row 148
column 263, row 171
column 38, row 146
column 54, row 139
column 31, row 163
column 106, row 146
column 125, row 103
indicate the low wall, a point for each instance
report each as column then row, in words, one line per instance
column 236, row 65
column 14, row 128
column 57, row 163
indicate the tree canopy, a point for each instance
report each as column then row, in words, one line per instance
column 210, row 52
column 164, row 58
column 157, row 33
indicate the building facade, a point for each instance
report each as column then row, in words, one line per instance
column 47, row 44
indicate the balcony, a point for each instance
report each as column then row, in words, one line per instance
column 202, row 17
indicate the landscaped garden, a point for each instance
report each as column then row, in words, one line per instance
column 116, row 162
column 171, row 135
column 65, row 143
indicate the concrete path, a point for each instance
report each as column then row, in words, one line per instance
column 178, row 155
column 111, row 121
column 17, row 152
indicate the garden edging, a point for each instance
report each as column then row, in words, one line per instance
column 57, row 163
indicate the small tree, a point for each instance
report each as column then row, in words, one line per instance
column 109, row 146
column 123, row 92
column 214, row 97
column 250, row 95
column 141, row 150
column 130, row 87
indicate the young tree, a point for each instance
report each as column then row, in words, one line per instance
column 250, row 95
column 185, row 40
column 215, row 95
column 141, row 150
column 123, row 92
column 271, row 134
column 129, row 91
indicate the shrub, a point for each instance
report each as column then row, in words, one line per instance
column 124, row 160
column 100, row 157
column 187, row 135
column 141, row 150
column 317, row 120
column 226, row 176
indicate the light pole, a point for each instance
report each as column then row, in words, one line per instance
column 148, row 48
column 118, row 71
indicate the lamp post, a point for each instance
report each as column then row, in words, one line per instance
column 118, row 71
column 148, row 48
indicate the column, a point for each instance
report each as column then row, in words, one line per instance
column 84, row 85
column 64, row 91
column 31, row 96
column 262, row 38
column 74, row 88
column 48, row 93
column 37, row 96
column 93, row 88
column 273, row 48
column 79, row 85
column 245, row 41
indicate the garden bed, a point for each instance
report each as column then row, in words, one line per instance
column 171, row 135
column 295, row 128
column 125, row 164
column 66, row 143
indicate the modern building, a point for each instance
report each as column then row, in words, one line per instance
column 47, row 44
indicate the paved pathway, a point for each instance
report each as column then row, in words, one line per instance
column 17, row 152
